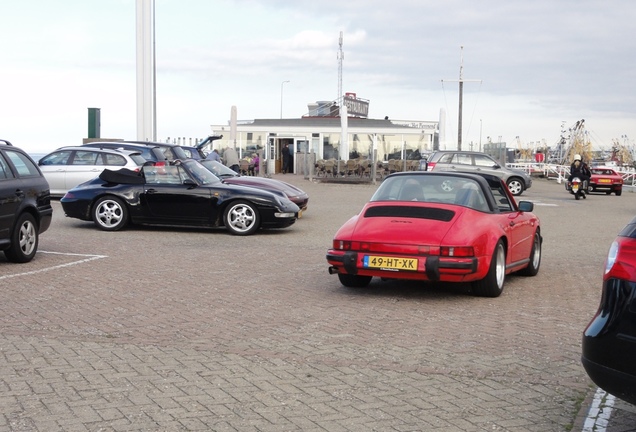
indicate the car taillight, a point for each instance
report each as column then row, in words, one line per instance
column 618, row 264
column 456, row 251
column 430, row 166
column 349, row 245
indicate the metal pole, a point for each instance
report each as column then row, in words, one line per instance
column 281, row 98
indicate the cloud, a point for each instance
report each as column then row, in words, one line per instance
column 532, row 65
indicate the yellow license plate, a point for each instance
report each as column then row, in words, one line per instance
column 605, row 181
column 391, row 263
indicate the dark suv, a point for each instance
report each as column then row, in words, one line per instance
column 477, row 162
column 25, row 204
column 151, row 151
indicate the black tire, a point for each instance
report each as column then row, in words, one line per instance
column 24, row 240
column 608, row 193
column 354, row 281
column 493, row 284
column 516, row 186
column 535, row 257
column 110, row 214
column 618, row 192
column 241, row 218
column 577, row 196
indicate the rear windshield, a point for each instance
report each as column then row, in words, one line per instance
column 442, row 189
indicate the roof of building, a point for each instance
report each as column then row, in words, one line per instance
column 327, row 122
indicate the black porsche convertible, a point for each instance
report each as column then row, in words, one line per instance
column 180, row 193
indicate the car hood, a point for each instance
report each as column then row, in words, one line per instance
column 265, row 183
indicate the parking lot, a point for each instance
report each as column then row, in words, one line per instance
column 153, row 329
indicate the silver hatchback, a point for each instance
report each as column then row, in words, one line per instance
column 67, row 167
column 476, row 162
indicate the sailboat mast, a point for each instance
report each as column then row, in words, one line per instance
column 461, row 98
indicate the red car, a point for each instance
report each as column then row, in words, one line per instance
column 606, row 180
column 446, row 226
column 294, row 194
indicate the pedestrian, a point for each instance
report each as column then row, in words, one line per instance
column 214, row 155
column 256, row 164
column 231, row 159
column 287, row 157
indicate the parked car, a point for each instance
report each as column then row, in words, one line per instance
column 606, row 180
column 476, row 162
column 193, row 152
column 414, row 228
column 296, row 195
column 179, row 193
column 67, row 167
column 150, row 151
column 609, row 340
column 25, row 204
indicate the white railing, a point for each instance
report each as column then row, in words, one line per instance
column 561, row 172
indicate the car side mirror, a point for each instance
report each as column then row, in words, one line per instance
column 526, row 206
column 496, row 166
column 189, row 182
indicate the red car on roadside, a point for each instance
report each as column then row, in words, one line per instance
column 606, row 180
column 439, row 226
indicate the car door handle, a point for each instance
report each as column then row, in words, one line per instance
column 151, row 191
column 19, row 193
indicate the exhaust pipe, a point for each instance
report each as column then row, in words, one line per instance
column 333, row 270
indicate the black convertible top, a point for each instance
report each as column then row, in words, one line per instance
column 122, row 176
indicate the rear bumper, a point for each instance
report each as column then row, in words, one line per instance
column 619, row 384
column 46, row 215
column 431, row 268
column 74, row 208
column 604, row 187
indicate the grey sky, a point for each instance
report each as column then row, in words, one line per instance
column 541, row 64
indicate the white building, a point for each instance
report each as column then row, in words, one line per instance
column 321, row 137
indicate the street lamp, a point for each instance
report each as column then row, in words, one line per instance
column 281, row 98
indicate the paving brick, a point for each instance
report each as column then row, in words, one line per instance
column 197, row 330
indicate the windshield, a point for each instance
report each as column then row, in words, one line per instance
column 200, row 173
column 179, row 153
column 218, row 168
column 433, row 189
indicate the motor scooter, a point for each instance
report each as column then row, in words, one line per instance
column 576, row 187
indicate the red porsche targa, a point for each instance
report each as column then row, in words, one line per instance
column 446, row 226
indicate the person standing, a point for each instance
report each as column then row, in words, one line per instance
column 214, row 155
column 231, row 159
column 256, row 164
column 287, row 156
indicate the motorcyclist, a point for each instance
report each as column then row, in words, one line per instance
column 581, row 170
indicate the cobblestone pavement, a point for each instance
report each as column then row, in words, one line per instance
column 165, row 330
